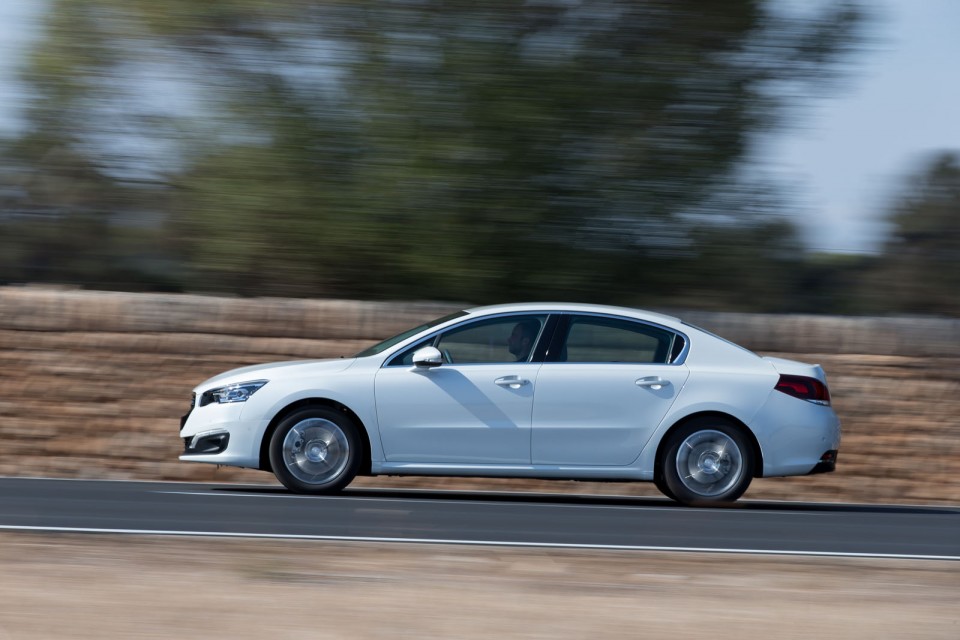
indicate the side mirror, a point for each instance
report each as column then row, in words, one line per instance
column 427, row 357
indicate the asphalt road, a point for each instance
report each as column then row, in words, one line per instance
column 479, row 518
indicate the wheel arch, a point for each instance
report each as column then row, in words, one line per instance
column 365, row 460
column 751, row 437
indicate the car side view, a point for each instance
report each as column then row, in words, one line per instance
column 551, row 391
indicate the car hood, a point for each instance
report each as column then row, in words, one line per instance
column 795, row 368
column 274, row 370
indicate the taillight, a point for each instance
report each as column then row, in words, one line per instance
column 804, row 388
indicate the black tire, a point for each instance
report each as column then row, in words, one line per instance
column 707, row 462
column 316, row 450
column 661, row 485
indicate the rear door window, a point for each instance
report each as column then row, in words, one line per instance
column 601, row 339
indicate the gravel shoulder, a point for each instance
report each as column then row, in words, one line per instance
column 91, row 586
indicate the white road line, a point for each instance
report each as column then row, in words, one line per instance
column 235, row 494
column 499, row 503
column 529, row 501
column 481, row 543
column 349, row 493
column 523, row 494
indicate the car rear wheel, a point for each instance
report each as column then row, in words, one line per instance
column 707, row 462
column 662, row 486
column 315, row 450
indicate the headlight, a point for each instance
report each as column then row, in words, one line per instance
column 238, row 392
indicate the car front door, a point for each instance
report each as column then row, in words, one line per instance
column 476, row 407
column 605, row 392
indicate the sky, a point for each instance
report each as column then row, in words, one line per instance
column 18, row 27
column 852, row 152
column 846, row 157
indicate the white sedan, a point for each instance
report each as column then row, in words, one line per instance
column 561, row 391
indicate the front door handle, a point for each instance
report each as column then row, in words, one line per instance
column 513, row 382
column 654, row 382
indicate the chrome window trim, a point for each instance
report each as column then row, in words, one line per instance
column 432, row 338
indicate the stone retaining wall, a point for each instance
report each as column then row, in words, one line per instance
column 38, row 309
column 92, row 385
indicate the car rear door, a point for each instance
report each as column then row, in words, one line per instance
column 606, row 385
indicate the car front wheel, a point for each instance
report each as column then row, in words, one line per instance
column 707, row 462
column 315, row 450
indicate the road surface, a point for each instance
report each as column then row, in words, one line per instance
column 510, row 519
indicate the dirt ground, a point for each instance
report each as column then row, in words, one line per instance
column 91, row 586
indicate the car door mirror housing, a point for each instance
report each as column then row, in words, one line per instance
column 427, row 357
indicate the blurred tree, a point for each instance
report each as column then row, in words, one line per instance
column 919, row 270
column 64, row 221
column 836, row 283
column 485, row 151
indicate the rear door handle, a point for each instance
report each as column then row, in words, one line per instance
column 513, row 382
column 654, row 382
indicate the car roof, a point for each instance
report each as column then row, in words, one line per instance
column 574, row 307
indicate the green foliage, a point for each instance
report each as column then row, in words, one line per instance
column 481, row 151
column 919, row 271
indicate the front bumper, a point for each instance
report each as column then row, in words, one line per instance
column 218, row 434
column 206, row 443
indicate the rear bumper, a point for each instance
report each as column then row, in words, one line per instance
column 795, row 436
column 827, row 464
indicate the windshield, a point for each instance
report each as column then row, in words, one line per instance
column 400, row 337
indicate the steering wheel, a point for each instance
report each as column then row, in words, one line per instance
column 446, row 356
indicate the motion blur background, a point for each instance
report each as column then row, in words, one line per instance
column 602, row 150
column 777, row 156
